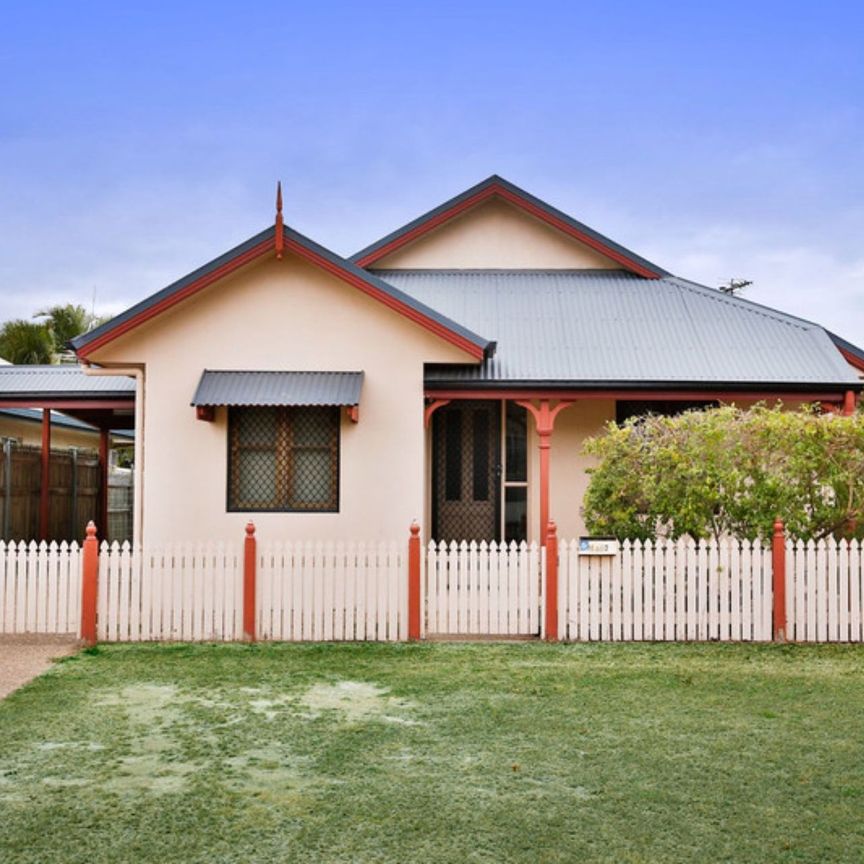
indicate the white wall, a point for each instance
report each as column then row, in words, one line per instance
column 282, row 315
column 496, row 235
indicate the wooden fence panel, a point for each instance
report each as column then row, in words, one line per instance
column 666, row 590
column 485, row 589
column 40, row 588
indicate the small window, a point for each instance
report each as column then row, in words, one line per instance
column 284, row 459
column 625, row 409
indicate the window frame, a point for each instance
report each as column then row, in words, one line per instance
column 284, row 414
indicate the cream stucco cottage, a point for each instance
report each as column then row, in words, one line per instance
column 447, row 373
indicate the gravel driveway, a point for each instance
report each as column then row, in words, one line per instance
column 24, row 657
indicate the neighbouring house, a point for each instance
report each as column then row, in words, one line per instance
column 24, row 426
column 448, row 373
column 61, row 430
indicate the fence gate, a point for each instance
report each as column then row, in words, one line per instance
column 484, row 590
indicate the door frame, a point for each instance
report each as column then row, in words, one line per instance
column 496, row 442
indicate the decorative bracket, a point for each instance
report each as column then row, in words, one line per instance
column 431, row 408
column 544, row 416
column 205, row 412
column 354, row 413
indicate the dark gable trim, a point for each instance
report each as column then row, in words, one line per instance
column 262, row 244
column 498, row 187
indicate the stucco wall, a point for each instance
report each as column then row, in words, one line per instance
column 282, row 315
column 567, row 462
column 496, row 235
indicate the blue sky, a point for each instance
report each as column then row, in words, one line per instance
column 138, row 141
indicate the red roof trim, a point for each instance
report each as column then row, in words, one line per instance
column 851, row 359
column 418, row 317
column 187, row 291
column 257, row 251
column 497, row 190
column 439, row 393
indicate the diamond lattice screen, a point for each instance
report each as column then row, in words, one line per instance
column 284, row 459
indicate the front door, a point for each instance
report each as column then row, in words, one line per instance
column 466, row 471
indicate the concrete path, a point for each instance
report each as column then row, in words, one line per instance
column 22, row 658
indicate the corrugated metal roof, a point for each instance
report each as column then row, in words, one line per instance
column 593, row 326
column 278, row 388
column 34, row 415
column 61, row 381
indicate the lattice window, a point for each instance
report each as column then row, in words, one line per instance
column 284, row 459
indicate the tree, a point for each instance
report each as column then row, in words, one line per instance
column 729, row 471
column 29, row 342
column 68, row 321
column 26, row 342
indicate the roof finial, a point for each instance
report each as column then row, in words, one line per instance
column 280, row 237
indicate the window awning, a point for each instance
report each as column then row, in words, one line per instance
column 254, row 389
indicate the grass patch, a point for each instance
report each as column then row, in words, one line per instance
column 437, row 753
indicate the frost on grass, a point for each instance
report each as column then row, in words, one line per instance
column 163, row 739
column 356, row 701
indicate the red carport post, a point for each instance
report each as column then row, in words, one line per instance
column 44, row 485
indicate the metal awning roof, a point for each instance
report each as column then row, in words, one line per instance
column 250, row 388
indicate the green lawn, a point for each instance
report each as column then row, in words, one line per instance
column 437, row 753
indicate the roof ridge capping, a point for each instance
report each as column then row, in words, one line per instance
column 262, row 244
column 497, row 186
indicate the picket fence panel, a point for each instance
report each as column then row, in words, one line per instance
column 824, row 590
column 327, row 591
column 332, row 592
column 483, row 589
column 40, row 588
column 182, row 591
column 666, row 591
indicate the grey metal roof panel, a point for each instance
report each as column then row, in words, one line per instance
column 496, row 180
column 251, row 388
column 34, row 415
column 61, row 381
column 603, row 326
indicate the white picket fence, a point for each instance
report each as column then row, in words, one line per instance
column 305, row 591
column 681, row 591
column 179, row 592
column 666, row 591
column 332, row 592
column 824, row 591
column 40, row 588
column 482, row 589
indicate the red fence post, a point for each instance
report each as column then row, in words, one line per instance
column 89, row 584
column 778, row 566
column 551, row 587
column 414, row 583
column 249, row 563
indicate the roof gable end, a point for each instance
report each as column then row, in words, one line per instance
column 257, row 247
column 496, row 187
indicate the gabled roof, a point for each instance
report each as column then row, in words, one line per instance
column 262, row 244
column 498, row 187
column 605, row 328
